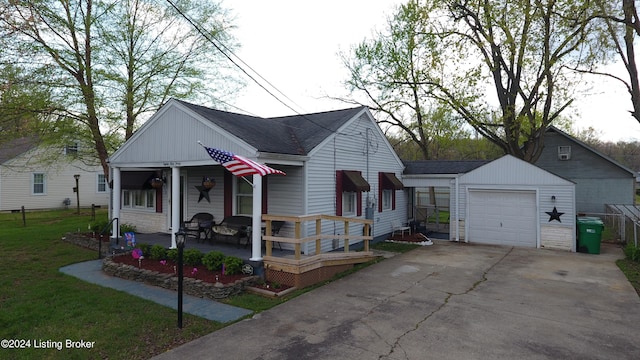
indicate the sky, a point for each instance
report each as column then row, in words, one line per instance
column 294, row 45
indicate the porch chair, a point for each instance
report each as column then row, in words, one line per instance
column 276, row 225
column 398, row 227
column 200, row 224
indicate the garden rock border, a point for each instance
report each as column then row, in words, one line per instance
column 190, row 286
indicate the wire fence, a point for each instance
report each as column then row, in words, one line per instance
column 624, row 221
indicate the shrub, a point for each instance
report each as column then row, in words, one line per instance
column 100, row 225
column 632, row 252
column 158, row 252
column 233, row 265
column 172, row 254
column 213, row 260
column 146, row 249
column 127, row 228
column 193, row 257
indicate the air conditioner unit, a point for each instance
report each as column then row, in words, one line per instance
column 564, row 156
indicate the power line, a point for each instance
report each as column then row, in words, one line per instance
column 219, row 48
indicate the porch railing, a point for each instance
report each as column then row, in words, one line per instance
column 298, row 240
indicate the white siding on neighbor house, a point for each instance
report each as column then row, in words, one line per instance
column 347, row 150
column 16, row 186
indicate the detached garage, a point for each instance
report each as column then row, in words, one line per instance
column 512, row 202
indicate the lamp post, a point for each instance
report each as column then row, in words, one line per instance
column 180, row 238
column 77, row 191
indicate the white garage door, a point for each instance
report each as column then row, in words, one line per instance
column 503, row 218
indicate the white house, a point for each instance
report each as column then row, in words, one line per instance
column 28, row 179
column 336, row 163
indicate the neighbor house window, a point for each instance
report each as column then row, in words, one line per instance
column 102, row 183
column 564, row 152
column 244, row 197
column 39, row 185
column 71, row 149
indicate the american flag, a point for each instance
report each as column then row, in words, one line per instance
column 240, row 166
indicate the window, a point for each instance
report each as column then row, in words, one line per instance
column 71, row 149
column 349, row 188
column 139, row 199
column 102, row 183
column 388, row 184
column 244, row 197
column 564, row 152
column 349, row 200
column 39, row 184
column 387, row 196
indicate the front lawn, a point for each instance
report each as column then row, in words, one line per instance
column 44, row 307
column 41, row 307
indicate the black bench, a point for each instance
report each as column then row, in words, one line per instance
column 232, row 227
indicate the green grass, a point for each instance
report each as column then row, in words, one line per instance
column 443, row 217
column 37, row 302
column 631, row 270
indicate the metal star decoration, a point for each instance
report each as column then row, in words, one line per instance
column 554, row 215
column 204, row 193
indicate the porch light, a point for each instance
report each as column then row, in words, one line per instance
column 181, row 235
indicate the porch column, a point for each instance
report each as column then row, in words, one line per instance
column 256, row 224
column 175, row 204
column 115, row 198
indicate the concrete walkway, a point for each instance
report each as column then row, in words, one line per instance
column 91, row 271
column 448, row 301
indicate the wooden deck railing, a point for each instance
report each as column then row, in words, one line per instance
column 298, row 240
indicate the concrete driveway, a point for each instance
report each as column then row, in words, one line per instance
column 449, row 301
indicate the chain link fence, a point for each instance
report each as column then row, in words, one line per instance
column 623, row 221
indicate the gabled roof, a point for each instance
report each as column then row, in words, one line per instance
column 441, row 166
column 596, row 152
column 13, row 148
column 296, row 135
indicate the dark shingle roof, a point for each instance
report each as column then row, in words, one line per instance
column 296, row 135
column 442, row 166
column 15, row 147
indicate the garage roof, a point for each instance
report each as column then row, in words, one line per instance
column 442, row 166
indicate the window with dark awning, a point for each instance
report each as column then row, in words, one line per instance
column 390, row 182
column 136, row 180
column 353, row 181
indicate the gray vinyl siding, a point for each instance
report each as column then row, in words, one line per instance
column 599, row 181
column 347, row 151
column 149, row 147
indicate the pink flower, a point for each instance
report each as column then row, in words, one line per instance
column 163, row 262
column 194, row 271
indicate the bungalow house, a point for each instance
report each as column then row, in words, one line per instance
column 599, row 179
column 337, row 163
column 29, row 178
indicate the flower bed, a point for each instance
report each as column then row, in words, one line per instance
column 201, row 283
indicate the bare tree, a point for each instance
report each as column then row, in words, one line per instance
column 112, row 60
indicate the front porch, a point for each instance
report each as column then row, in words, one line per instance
column 293, row 267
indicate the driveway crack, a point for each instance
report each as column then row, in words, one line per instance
column 396, row 344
